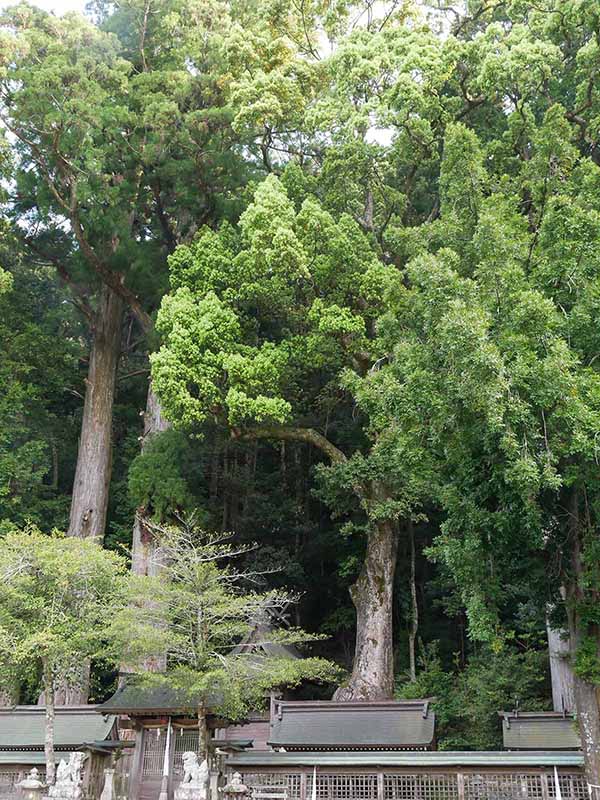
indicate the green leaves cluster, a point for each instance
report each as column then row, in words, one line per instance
column 60, row 600
column 256, row 314
column 226, row 644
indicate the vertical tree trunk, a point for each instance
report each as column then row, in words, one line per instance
column 202, row 733
column 414, row 606
column 587, row 700
column 94, row 458
column 561, row 671
column 144, row 545
column 49, row 727
column 373, row 670
column 89, row 500
column 588, row 717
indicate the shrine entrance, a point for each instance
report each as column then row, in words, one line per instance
column 153, row 751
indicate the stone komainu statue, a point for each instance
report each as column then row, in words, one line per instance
column 69, row 779
column 195, row 779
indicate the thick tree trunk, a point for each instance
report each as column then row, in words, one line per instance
column 373, row 669
column 202, row 733
column 588, row 717
column 94, row 458
column 561, row 671
column 49, row 728
column 71, row 691
column 587, row 699
column 144, row 545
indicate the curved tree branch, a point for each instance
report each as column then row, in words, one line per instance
column 283, row 433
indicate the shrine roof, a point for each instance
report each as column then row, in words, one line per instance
column 539, row 730
column 327, row 725
column 22, row 727
column 249, row 761
column 139, row 700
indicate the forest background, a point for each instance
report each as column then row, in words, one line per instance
column 356, row 248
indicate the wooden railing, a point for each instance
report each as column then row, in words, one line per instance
column 413, row 785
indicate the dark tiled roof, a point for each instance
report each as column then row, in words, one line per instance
column 541, row 730
column 22, row 727
column 148, row 700
column 399, row 725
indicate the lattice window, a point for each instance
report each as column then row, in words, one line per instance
column 284, row 781
column 513, row 786
column 420, row 787
column 10, row 777
column 344, row 787
column 184, row 741
column 572, row 787
column 7, row 782
column 154, row 752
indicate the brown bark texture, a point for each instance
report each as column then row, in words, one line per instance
column 561, row 671
column 9, row 695
column 143, row 546
column 94, row 458
column 372, row 675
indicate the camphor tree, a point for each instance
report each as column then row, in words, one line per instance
column 224, row 643
column 492, row 353
column 265, row 327
column 269, row 325
column 60, row 605
column 504, row 324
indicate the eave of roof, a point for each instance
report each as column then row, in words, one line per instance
column 24, row 757
column 23, row 727
column 537, row 715
column 359, row 705
column 408, row 759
